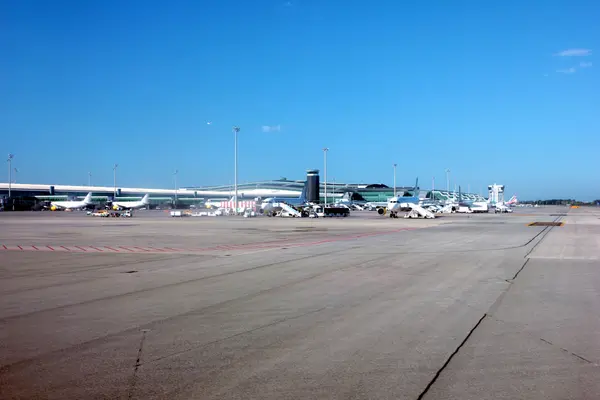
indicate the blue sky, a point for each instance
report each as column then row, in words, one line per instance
column 503, row 91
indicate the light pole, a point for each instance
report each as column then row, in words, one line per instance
column 89, row 179
column 395, row 179
column 175, row 174
column 9, row 160
column 115, row 180
column 448, row 180
column 325, row 150
column 236, row 129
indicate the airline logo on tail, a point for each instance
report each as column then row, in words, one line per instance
column 513, row 200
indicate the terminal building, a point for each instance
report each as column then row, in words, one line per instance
column 188, row 196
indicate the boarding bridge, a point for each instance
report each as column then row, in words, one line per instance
column 289, row 209
column 418, row 212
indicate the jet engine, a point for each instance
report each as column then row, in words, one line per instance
column 381, row 210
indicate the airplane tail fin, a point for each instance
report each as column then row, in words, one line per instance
column 303, row 194
column 459, row 194
column 145, row 199
column 416, row 184
column 88, row 198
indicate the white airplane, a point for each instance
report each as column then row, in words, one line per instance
column 401, row 202
column 71, row 205
column 505, row 207
column 513, row 201
column 411, row 204
column 218, row 203
column 131, row 205
column 273, row 204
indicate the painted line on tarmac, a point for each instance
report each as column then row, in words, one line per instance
column 169, row 250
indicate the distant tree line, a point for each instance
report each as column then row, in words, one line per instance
column 561, row 202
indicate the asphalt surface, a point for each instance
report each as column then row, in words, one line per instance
column 365, row 307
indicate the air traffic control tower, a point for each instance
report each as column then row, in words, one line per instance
column 312, row 185
column 496, row 193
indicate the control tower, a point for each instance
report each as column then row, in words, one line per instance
column 313, row 186
column 496, row 193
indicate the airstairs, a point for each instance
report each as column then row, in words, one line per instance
column 418, row 212
column 447, row 209
column 288, row 209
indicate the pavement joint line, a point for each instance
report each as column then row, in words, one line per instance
column 570, row 352
column 137, row 364
column 455, row 352
column 224, row 247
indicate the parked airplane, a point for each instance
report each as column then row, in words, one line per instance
column 216, row 203
column 351, row 198
column 411, row 203
column 71, row 205
column 401, row 203
column 131, row 205
column 505, row 206
column 268, row 205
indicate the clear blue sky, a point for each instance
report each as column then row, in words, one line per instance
column 480, row 87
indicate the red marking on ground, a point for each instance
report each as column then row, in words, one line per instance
column 159, row 250
column 224, row 247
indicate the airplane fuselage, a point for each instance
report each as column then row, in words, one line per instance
column 128, row 205
column 71, row 205
column 67, row 205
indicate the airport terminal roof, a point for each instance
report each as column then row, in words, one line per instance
column 281, row 187
column 284, row 183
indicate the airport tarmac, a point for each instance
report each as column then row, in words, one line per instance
column 462, row 307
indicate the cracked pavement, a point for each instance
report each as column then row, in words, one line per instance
column 465, row 307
